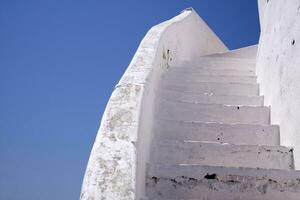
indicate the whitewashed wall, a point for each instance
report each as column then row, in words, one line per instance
column 278, row 67
column 116, row 168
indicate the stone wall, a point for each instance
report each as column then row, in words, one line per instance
column 116, row 168
column 278, row 67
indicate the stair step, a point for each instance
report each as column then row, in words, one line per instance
column 212, row 88
column 220, row 183
column 225, row 59
column 187, row 78
column 222, row 154
column 215, row 72
column 218, row 132
column 217, row 65
column 188, row 97
column 214, row 113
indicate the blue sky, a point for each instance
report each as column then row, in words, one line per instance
column 59, row 62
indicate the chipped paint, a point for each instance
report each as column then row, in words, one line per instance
column 219, row 183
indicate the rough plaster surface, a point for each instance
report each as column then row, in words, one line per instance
column 178, row 182
column 278, row 67
column 116, row 168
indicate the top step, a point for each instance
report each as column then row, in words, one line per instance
column 244, row 53
column 211, row 72
column 221, row 65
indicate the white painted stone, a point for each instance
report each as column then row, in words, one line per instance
column 188, row 97
column 217, row 132
column 117, row 164
column 214, row 63
column 214, row 113
column 214, row 72
column 214, row 88
column 278, row 70
column 199, row 64
column 181, row 127
column 242, row 54
column 221, row 183
column 190, row 78
column 222, row 154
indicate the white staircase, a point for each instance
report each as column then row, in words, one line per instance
column 213, row 138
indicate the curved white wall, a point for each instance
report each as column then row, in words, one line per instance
column 278, row 67
column 116, row 168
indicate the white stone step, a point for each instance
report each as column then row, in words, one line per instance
column 218, row 132
column 224, row 59
column 216, row 72
column 217, row 65
column 222, row 154
column 244, row 53
column 189, row 97
column 214, row 113
column 187, row 78
column 221, row 183
column 212, row 88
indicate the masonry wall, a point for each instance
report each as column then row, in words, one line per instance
column 278, row 67
column 117, row 166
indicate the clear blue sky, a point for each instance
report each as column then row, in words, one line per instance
column 59, row 62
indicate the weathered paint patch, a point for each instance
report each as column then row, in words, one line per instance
column 214, row 184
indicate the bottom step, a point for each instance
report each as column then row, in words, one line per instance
column 166, row 182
